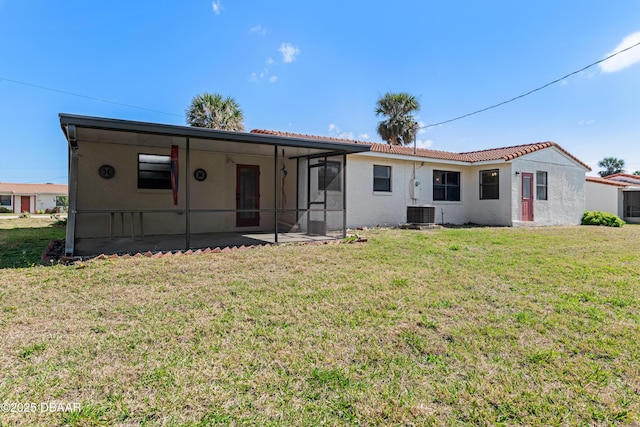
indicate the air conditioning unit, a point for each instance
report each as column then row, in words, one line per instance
column 421, row 214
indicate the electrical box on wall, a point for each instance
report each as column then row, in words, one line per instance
column 414, row 189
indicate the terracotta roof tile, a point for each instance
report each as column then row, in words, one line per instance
column 625, row 177
column 17, row 188
column 503, row 153
column 606, row 181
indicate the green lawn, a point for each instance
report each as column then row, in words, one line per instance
column 22, row 240
column 460, row 327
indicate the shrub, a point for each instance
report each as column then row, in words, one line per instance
column 47, row 211
column 5, row 210
column 601, row 218
column 39, row 212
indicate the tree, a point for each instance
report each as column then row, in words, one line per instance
column 611, row 165
column 211, row 110
column 637, row 172
column 399, row 127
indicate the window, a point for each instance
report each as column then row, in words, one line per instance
column 381, row 178
column 332, row 177
column 489, row 184
column 5, row 200
column 446, row 186
column 154, row 171
column 541, row 185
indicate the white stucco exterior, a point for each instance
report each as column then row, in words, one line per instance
column 565, row 202
column 603, row 197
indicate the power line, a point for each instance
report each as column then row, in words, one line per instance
column 531, row 91
column 88, row 97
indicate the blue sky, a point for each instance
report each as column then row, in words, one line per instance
column 319, row 67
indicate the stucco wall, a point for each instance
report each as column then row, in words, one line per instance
column 366, row 207
column 565, row 202
column 602, row 197
column 121, row 192
column 45, row 201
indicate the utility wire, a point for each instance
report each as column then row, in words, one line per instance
column 531, row 91
column 88, row 97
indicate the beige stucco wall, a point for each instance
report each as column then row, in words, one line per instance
column 121, row 193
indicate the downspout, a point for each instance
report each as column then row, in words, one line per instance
column 73, row 190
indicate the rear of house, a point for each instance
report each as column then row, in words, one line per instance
column 526, row 185
column 32, row 198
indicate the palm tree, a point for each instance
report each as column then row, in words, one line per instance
column 211, row 110
column 399, row 127
column 611, row 165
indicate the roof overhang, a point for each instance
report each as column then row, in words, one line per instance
column 72, row 123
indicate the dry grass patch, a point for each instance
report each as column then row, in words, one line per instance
column 441, row 327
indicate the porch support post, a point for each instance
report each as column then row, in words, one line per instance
column 297, row 190
column 188, row 197
column 73, row 190
column 275, row 190
column 344, row 195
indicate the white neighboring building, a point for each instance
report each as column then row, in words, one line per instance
column 618, row 194
column 31, row 198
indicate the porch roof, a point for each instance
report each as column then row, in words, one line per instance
column 67, row 121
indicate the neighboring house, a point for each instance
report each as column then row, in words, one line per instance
column 190, row 187
column 532, row 184
column 32, row 198
column 618, row 194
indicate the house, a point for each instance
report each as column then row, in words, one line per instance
column 618, row 194
column 532, row 184
column 32, row 198
column 146, row 186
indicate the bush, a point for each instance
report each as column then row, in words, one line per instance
column 5, row 210
column 601, row 218
column 39, row 212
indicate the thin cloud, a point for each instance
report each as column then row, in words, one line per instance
column 424, row 143
column 624, row 60
column 273, row 79
column 216, row 6
column 289, row 52
column 258, row 30
column 586, row 122
column 336, row 132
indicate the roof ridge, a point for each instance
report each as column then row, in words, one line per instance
column 467, row 157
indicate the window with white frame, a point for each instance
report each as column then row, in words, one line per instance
column 381, row 178
column 490, row 184
column 446, row 186
column 5, row 200
column 541, row 185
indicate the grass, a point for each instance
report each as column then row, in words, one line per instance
column 460, row 327
column 22, row 240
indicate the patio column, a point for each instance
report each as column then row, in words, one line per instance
column 344, row 195
column 275, row 190
column 188, row 197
